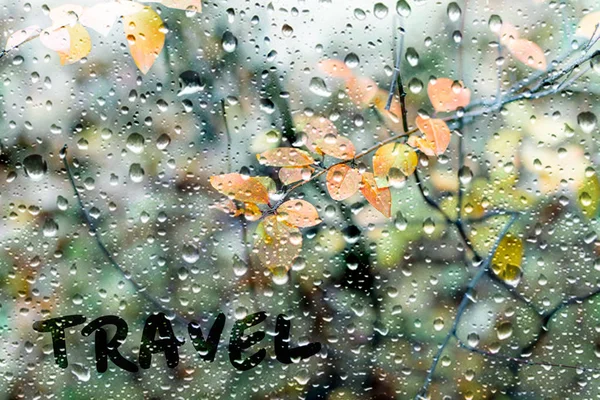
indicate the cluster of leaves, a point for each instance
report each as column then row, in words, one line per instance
column 278, row 239
column 68, row 36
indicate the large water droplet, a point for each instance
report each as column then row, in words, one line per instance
column 35, row 167
column 587, row 121
column 229, row 42
column 318, row 87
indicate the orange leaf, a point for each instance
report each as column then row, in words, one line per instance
column 336, row 146
column 394, row 155
column 299, row 213
column 587, row 25
column 240, row 187
column 528, row 53
column 362, row 90
column 317, row 129
column 336, row 68
column 436, row 131
column 277, row 243
column 289, row 175
column 380, row 198
column 145, row 34
column 422, row 144
column 447, row 95
column 285, row 157
column 342, row 181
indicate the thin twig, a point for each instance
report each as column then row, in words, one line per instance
column 94, row 232
column 462, row 307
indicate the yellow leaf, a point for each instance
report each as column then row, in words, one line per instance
column 145, row 34
column 240, row 187
column 342, row 182
column 506, row 262
column 422, row 144
column 528, row 53
column 393, row 155
column 337, row 147
column 436, row 131
column 380, row 198
column 277, row 243
column 80, row 44
column 587, row 25
column 589, row 196
column 447, row 95
column 299, row 213
column 285, row 157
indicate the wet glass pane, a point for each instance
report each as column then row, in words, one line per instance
column 316, row 199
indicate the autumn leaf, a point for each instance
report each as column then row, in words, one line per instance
column 362, row 90
column 72, row 43
column 240, row 187
column 145, row 34
column 21, row 36
column 393, row 155
column 289, row 175
column 299, row 213
column 436, row 131
column 447, row 95
column 316, row 129
column 285, row 157
column 380, row 198
column 336, row 68
column 426, row 147
column 342, row 181
column 277, row 243
column 337, row 147
column 188, row 5
column 506, row 263
column 250, row 210
column 587, row 25
column 528, row 53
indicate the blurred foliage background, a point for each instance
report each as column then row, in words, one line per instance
column 379, row 294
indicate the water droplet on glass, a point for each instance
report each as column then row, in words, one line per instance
column 352, row 60
column 35, row 167
column 428, row 226
column 135, row 143
column 403, row 8
column 189, row 83
column 453, row 11
column 380, row 10
column 318, row 87
column 229, row 42
column 190, row 253
column 495, row 23
column 50, row 228
column 587, row 121
column 136, row 173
